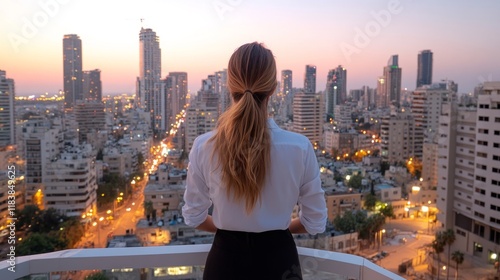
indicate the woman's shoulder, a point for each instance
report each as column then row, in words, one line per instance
column 285, row 137
column 203, row 139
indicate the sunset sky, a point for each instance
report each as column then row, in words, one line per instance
column 199, row 36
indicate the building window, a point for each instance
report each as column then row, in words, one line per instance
column 482, row 143
column 495, row 236
column 479, row 215
column 479, row 229
column 478, row 202
column 483, row 131
column 483, row 118
column 480, row 166
column 480, row 178
column 478, row 247
column 494, row 220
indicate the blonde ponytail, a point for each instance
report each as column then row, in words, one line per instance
column 242, row 142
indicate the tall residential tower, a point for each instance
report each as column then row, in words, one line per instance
column 72, row 68
column 390, row 84
column 336, row 90
column 424, row 71
column 92, row 86
column 150, row 94
column 7, row 112
column 310, row 79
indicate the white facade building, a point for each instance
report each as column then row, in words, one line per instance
column 70, row 182
column 469, row 174
column 41, row 143
column 308, row 116
column 200, row 118
column 397, row 138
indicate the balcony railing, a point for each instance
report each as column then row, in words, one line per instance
column 313, row 262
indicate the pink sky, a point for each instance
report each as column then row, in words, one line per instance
column 198, row 38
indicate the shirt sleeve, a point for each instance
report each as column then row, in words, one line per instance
column 196, row 197
column 313, row 212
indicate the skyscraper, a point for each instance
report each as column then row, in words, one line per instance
column 336, row 89
column 286, row 92
column 7, row 112
column 149, row 75
column 310, row 79
column 177, row 92
column 424, row 71
column 92, row 86
column 391, row 89
column 72, row 68
column 222, row 90
column 286, row 82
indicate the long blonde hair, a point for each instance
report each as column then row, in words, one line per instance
column 242, row 141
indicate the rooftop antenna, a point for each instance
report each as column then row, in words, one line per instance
column 142, row 20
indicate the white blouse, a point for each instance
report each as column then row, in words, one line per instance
column 293, row 178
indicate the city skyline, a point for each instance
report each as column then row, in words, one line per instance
column 358, row 36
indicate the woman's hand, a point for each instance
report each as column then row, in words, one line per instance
column 207, row 225
column 296, row 226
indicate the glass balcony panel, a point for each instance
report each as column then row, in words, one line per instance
column 172, row 262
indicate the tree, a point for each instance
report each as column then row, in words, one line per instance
column 97, row 276
column 387, row 210
column 346, row 222
column 337, row 177
column 71, row 231
column 99, row 155
column 372, row 188
column 355, row 182
column 50, row 220
column 438, row 246
column 448, row 239
column 370, row 202
column 148, row 208
column 384, row 166
column 458, row 258
column 414, row 166
column 38, row 243
column 140, row 163
column 33, row 219
column 28, row 218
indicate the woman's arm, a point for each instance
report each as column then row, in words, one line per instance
column 207, row 225
column 296, row 226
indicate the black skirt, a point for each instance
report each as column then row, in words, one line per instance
column 237, row 255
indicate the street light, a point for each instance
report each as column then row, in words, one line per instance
column 496, row 264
